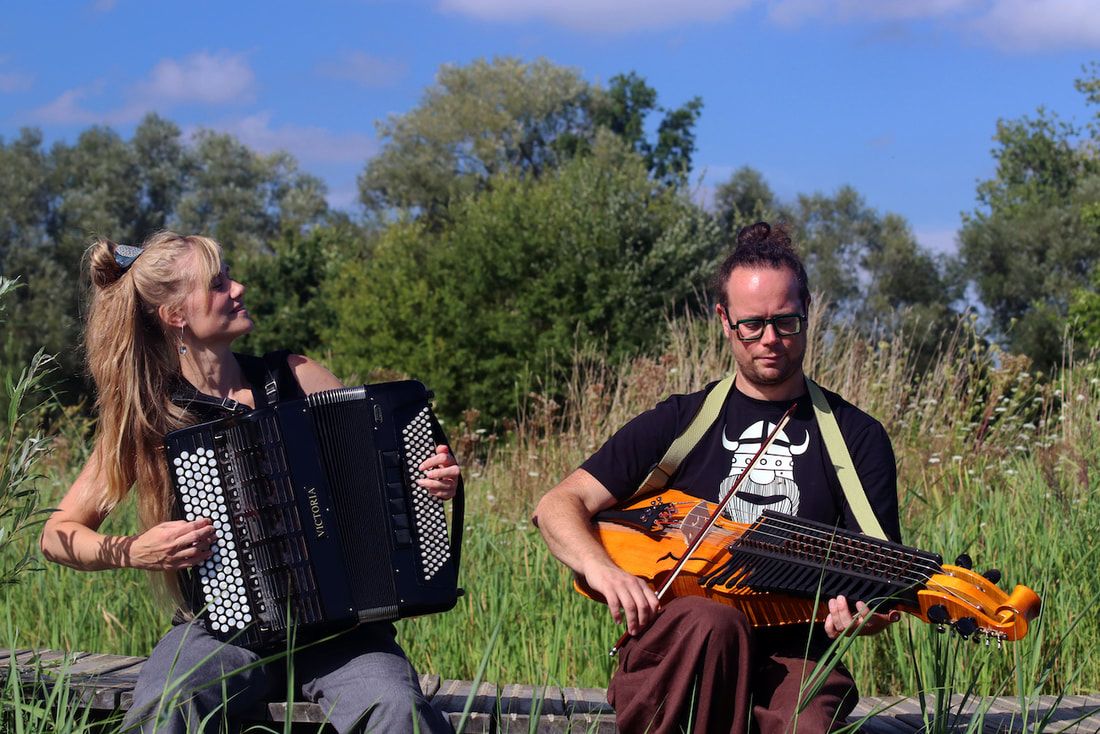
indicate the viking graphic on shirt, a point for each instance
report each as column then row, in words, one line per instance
column 770, row 485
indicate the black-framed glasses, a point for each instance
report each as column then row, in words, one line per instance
column 749, row 330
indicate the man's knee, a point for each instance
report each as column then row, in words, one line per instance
column 719, row 623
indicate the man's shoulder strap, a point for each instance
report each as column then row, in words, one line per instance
column 842, row 462
column 686, row 441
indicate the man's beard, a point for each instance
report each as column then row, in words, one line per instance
column 780, row 494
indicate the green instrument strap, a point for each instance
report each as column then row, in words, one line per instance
column 842, row 462
column 686, row 441
column 830, row 434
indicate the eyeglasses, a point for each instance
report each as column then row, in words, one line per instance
column 749, row 330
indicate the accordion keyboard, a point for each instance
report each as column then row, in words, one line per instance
column 428, row 513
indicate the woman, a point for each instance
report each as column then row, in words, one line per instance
column 159, row 333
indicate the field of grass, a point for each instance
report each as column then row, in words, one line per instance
column 995, row 460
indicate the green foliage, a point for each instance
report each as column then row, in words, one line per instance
column 745, row 198
column 623, row 109
column 593, row 253
column 243, row 199
column 507, row 117
column 1033, row 240
column 285, row 287
column 22, row 447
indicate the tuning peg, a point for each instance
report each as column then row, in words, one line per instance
column 966, row 627
column 937, row 614
column 993, row 575
column 964, row 561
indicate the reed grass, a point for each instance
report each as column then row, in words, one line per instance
column 995, row 460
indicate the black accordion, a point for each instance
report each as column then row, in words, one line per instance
column 320, row 523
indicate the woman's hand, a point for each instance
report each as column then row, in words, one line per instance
column 172, row 545
column 442, row 473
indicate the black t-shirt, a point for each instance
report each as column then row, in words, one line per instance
column 795, row 476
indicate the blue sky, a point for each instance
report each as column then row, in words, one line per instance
column 899, row 98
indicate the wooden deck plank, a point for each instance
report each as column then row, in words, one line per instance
column 519, row 699
column 452, row 695
column 104, row 683
column 585, row 701
column 429, row 684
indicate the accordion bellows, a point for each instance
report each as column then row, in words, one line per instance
column 320, row 523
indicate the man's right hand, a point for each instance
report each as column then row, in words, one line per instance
column 628, row 597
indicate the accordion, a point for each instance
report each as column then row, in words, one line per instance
column 320, row 523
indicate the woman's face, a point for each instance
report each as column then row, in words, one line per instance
column 215, row 311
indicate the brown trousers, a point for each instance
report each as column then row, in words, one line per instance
column 700, row 667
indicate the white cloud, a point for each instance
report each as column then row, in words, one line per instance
column 202, row 78
column 1014, row 25
column 365, row 70
column 1031, row 25
column 103, row 6
column 69, row 109
column 793, row 12
column 308, row 144
column 598, row 16
column 14, row 81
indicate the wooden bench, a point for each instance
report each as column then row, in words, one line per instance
column 103, row 685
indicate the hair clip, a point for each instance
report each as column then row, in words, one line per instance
column 126, row 254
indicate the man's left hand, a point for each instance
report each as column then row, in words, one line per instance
column 841, row 621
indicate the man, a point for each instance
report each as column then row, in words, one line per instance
column 698, row 661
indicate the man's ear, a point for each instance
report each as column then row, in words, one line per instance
column 722, row 319
column 171, row 317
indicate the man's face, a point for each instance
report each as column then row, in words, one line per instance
column 772, row 364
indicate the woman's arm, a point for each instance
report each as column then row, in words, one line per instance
column 70, row 536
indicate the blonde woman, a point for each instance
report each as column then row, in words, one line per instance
column 159, row 332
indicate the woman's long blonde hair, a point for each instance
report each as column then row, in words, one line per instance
column 134, row 359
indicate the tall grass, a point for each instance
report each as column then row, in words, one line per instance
column 23, row 446
column 995, row 460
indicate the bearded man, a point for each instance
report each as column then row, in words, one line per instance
column 698, row 662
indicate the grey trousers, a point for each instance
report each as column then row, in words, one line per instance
column 361, row 679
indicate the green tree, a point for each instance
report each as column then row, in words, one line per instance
column 1032, row 243
column 593, row 253
column 623, row 110
column 1084, row 307
column 239, row 197
column 746, row 198
column 284, row 289
column 508, row 117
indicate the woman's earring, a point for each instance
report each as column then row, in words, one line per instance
column 183, row 347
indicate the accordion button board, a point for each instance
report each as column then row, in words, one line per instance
column 320, row 522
